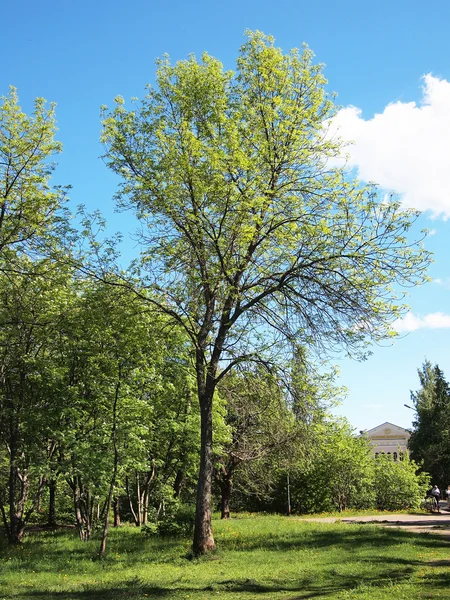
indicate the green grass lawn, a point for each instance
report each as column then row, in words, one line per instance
column 264, row 557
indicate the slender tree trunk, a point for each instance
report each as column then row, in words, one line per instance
column 76, row 505
column 83, row 506
column 100, row 512
column 116, row 510
column 42, row 482
column 178, row 483
column 51, row 521
column 115, row 467
column 139, row 499
column 130, row 501
column 148, row 480
column 13, row 520
column 101, row 552
column 203, row 535
column 145, row 507
column 17, row 494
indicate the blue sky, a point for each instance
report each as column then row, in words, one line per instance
column 388, row 61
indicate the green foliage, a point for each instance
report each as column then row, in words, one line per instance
column 430, row 439
column 230, row 174
column 339, row 474
column 331, row 560
column 177, row 520
column 397, row 484
column 33, row 304
column 30, row 210
column 264, row 432
column 251, row 238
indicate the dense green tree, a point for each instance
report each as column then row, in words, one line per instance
column 128, row 389
column 93, row 386
column 430, row 439
column 33, row 305
column 298, row 408
column 251, row 236
column 31, row 217
column 261, row 424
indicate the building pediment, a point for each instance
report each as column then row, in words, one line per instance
column 387, row 431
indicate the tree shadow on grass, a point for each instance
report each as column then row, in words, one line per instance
column 366, row 539
column 347, row 538
column 305, row 588
column 51, row 551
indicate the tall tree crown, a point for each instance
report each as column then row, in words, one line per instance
column 245, row 220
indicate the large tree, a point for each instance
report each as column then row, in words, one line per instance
column 430, row 439
column 252, row 237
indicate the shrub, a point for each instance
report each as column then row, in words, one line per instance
column 175, row 521
column 397, row 485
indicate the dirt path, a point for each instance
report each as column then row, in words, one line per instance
column 419, row 523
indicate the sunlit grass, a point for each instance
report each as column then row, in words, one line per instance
column 264, row 557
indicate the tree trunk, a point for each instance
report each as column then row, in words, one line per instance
column 130, row 502
column 148, row 480
column 178, row 483
column 226, row 485
column 17, row 496
column 139, row 499
column 203, row 535
column 116, row 506
column 52, row 503
column 42, row 481
column 145, row 506
column 83, row 506
column 101, row 552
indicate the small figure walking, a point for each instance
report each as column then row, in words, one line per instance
column 448, row 496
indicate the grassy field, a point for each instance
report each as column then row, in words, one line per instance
column 264, row 557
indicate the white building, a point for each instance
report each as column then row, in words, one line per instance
column 388, row 439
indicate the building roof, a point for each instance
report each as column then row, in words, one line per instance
column 384, row 425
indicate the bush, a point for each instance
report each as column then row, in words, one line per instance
column 397, row 485
column 177, row 522
column 340, row 474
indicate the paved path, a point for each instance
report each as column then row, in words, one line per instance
column 420, row 523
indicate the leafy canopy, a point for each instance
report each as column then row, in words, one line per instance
column 245, row 221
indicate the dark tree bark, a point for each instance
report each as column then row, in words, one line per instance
column 226, row 486
column 203, row 535
column 51, row 521
column 178, row 483
column 116, row 510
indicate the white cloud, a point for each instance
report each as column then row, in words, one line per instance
column 445, row 283
column 411, row 322
column 406, row 148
